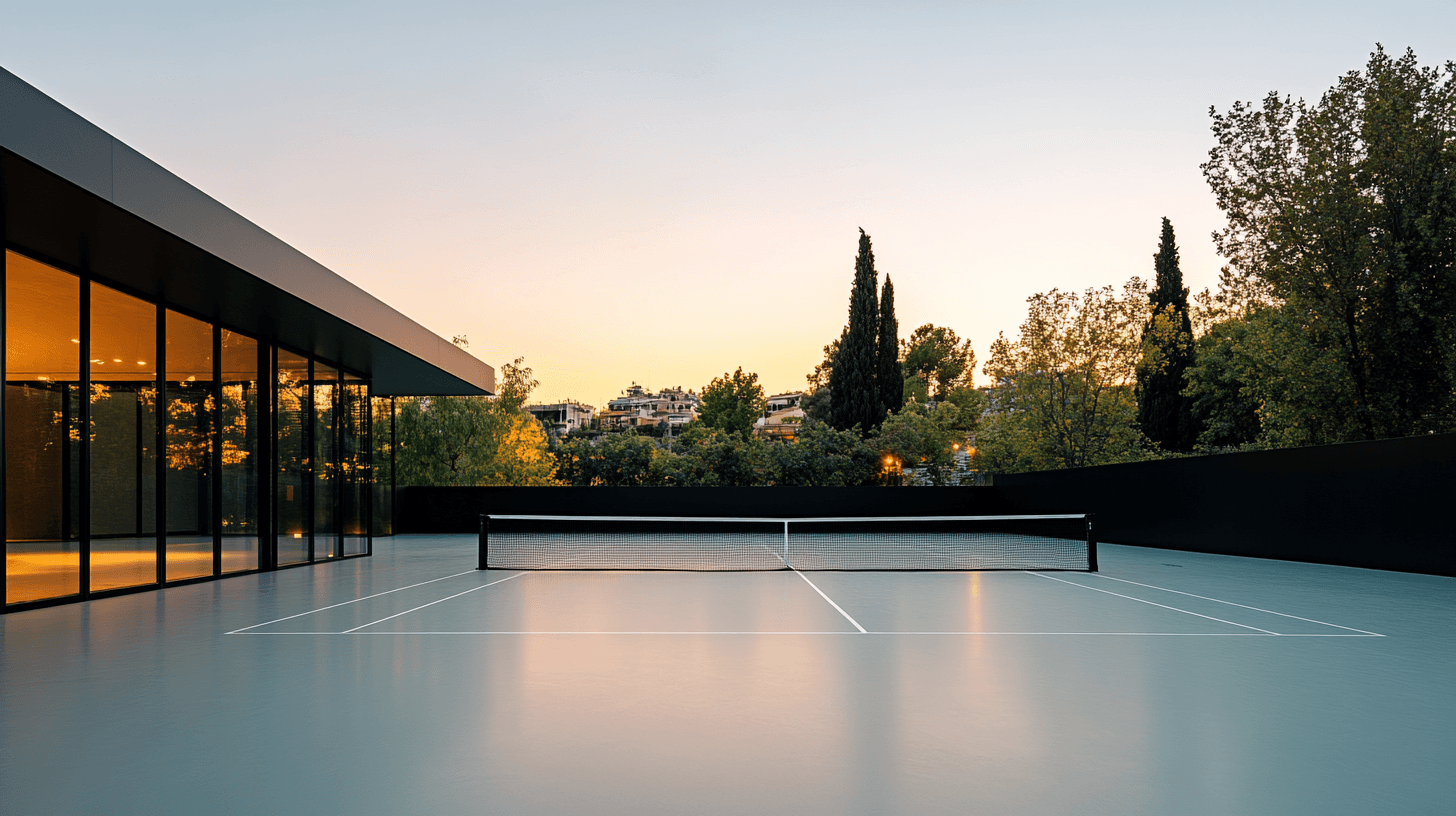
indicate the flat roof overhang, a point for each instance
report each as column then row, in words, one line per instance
column 74, row 196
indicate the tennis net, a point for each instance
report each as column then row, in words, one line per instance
column 1062, row 542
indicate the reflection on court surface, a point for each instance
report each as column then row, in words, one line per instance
column 667, row 603
column 412, row 683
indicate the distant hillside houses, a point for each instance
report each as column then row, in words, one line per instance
column 562, row 417
column 781, row 417
column 637, row 407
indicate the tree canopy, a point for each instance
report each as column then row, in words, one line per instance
column 732, row 402
column 936, row 362
column 1062, row 391
column 474, row 440
column 1344, row 212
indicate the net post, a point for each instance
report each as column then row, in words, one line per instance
column 786, row 545
column 483, row 550
column 1091, row 546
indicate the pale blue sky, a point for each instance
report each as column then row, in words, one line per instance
column 667, row 191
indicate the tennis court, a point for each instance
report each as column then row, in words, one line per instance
column 410, row 682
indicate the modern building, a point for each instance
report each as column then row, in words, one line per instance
column 562, row 417
column 186, row 396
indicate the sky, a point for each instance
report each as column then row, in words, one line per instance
column 661, row 193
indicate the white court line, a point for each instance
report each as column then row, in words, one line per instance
column 432, row 603
column 346, row 603
column 1244, row 606
column 831, row 601
column 840, row 633
column 1150, row 603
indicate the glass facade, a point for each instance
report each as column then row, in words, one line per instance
column 42, row 431
column 293, row 474
column 143, row 445
column 121, row 412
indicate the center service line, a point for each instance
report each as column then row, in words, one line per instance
column 831, row 602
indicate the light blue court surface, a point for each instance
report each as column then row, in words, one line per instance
column 1169, row 683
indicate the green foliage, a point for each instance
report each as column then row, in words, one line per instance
column 925, row 438
column 1344, row 213
column 888, row 377
column 1062, row 392
column 1164, row 414
column 474, row 440
column 936, row 362
column 852, row 381
column 706, row 457
column 732, row 402
column 823, row 457
column 818, row 379
column 1220, row 388
column 610, row 460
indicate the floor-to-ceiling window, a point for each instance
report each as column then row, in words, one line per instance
column 326, row 479
column 293, row 475
column 239, row 420
column 190, row 410
column 42, row 434
column 121, row 410
column 354, row 466
column 381, row 429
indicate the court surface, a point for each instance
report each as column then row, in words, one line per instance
column 410, row 683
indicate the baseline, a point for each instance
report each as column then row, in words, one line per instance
column 834, row 633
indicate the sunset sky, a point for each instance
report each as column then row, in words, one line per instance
column 664, row 192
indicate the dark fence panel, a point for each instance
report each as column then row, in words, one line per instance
column 458, row 509
column 1381, row 505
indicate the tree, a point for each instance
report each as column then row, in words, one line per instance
column 855, row 395
column 822, row 457
column 1345, row 210
column 611, row 460
column 474, row 440
column 924, row 438
column 1167, row 340
column 818, row 403
column 1061, row 393
column 936, row 362
column 732, row 402
column 888, row 376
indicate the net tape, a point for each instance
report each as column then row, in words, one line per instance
column 1060, row 542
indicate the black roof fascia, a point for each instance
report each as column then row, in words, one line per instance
column 77, row 197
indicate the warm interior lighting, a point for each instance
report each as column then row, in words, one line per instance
column 42, row 377
column 141, row 362
column 116, row 359
column 298, row 535
column 74, row 340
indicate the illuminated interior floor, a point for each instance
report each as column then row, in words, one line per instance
column 51, row 569
column 410, row 683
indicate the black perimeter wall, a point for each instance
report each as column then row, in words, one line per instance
column 1363, row 504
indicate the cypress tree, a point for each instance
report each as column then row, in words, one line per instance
column 855, row 398
column 1164, row 414
column 889, row 378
